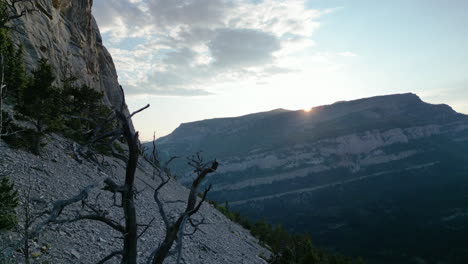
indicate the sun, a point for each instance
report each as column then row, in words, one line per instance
column 307, row 110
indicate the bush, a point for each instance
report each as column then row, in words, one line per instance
column 83, row 108
column 8, row 203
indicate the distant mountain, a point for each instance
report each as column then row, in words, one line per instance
column 383, row 177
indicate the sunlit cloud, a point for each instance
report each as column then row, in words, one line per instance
column 187, row 47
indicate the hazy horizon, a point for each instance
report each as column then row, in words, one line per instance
column 201, row 59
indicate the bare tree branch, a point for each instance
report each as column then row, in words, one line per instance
column 138, row 111
column 146, row 227
column 53, row 214
column 196, row 226
column 110, row 256
column 113, row 187
column 162, row 212
column 175, row 231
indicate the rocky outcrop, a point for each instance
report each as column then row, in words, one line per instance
column 66, row 33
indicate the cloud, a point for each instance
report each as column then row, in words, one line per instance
column 347, row 54
column 166, row 47
column 242, row 47
column 151, row 89
column 199, row 13
column 183, row 56
column 121, row 18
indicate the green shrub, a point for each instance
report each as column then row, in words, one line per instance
column 8, row 203
column 286, row 248
column 83, row 109
column 27, row 139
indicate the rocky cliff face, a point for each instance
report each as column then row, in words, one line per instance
column 65, row 32
column 350, row 173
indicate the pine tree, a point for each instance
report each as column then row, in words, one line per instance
column 15, row 76
column 14, row 71
column 83, row 110
column 8, row 203
column 42, row 102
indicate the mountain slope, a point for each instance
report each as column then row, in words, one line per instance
column 56, row 175
column 351, row 173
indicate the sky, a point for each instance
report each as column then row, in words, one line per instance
column 199, row 59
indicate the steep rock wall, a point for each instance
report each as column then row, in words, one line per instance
column 65, row 32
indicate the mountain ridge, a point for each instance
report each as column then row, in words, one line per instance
column 358, row 169
column 408, row 96
column 404, row 110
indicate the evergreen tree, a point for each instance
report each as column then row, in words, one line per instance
column 12, row 70
column 83, row 101
column 3, row 14
column 83, row 109
column 8, row 203
column 15, row 77
column 42, row 102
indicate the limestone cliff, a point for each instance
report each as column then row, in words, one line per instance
column 350, row 173
column 65, row 32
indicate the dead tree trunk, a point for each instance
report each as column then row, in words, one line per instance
column 173, row 230
column 128, row 203
column 93, row 212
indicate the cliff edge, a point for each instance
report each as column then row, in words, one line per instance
column 65, row 32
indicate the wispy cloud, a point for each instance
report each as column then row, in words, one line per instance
column 182, row 47
column 347, row 54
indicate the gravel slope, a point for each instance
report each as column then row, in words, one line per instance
column 57, row 175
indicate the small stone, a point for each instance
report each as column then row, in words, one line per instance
column 75, row 253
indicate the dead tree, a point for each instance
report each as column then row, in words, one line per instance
column 128, row 227
column 98, row 135
column 175, row 231
column 38, row 223
column 127, row 192
column 30, row 217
